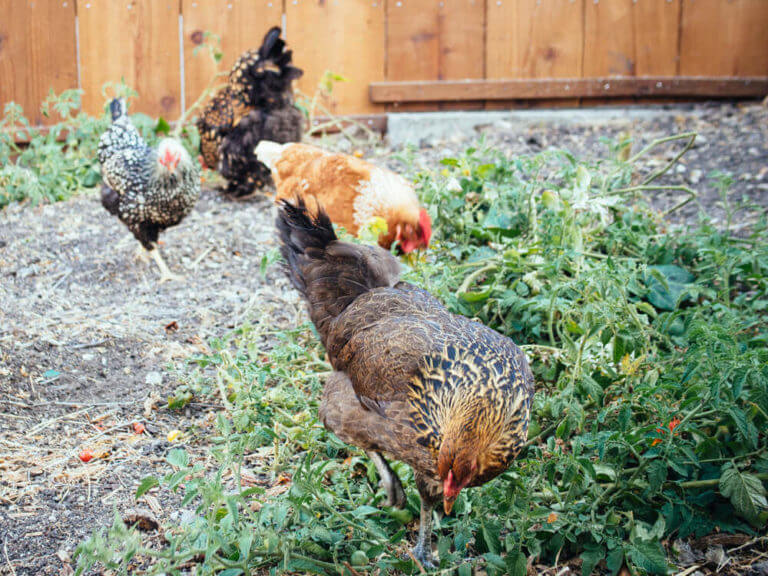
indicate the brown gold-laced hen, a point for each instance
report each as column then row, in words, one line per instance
column 448, row 396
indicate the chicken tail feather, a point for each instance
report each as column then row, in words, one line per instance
column 328, row 273
column 272, row 46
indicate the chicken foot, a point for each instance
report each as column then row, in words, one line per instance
column 388, row 480
column 423, row 549
column 165, row 272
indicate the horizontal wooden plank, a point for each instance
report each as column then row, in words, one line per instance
column 613, row 87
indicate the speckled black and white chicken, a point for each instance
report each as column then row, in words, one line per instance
column 256, row 104
column 448, row 396
column 148, row 189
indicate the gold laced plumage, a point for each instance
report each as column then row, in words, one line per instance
column 448, row 396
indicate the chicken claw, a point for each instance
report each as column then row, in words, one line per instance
column 165, row 273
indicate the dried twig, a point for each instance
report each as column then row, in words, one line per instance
column 748, row 544
column 88, row 345
column 416, row 561
column 689, row 570
column 7, row 558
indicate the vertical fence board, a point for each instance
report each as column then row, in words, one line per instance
column 240, row 25
column 461, row 28
column 413, row 44
column 609, row 48
column 630, row 38
column 656, row 32
column 534, row 39
column 37, row 52
column 135, row 40
column 724, row 38
column 346, row 38
column 609, row 43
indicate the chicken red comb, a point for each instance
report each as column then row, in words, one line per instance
column 425, row 224
column 170, row 158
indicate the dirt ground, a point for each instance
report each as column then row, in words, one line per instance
column 87, row 334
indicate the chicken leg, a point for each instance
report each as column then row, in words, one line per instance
column 388, row 480
column 165, row 272
column 431, row 493
column 423, row 549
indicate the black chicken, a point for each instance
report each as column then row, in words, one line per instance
column 149, row 189
column 256, row 104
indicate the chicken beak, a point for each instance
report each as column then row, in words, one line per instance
column 448, row 506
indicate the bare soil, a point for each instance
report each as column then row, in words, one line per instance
column 88, row 337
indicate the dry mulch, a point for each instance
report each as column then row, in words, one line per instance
column 88, row 337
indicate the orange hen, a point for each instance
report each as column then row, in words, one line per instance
column 352, row 191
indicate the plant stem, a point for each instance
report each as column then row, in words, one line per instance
column 658, row 141
column 477, row 273
column 691, row 194
column 714, row 481
column 203, row 97
column 540, row 347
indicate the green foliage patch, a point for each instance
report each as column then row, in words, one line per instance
column 50, row 164
column 648, row 343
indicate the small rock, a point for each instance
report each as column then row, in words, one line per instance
column 681, row 169
column 64, row 556
column 695, row 176
column 717, row 556
column 753, row 151
column 344, row 146
column 153, row 378
column 686, row 556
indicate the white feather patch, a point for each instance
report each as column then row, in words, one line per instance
column 382, row 192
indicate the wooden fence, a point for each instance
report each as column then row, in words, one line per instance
column 400, row 46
